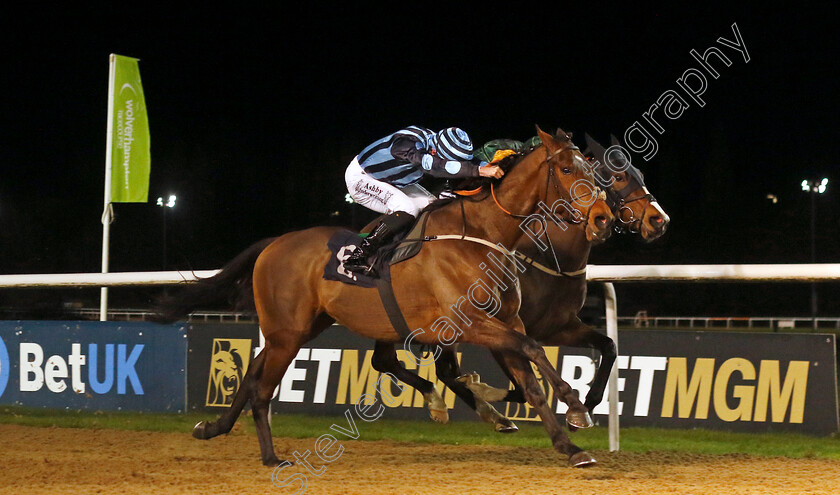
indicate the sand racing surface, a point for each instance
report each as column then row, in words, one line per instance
column 64, row 460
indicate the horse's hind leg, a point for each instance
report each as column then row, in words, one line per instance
column 258, row 391
column 384, row 360
column 281, row 347
column 448, row 370
column 277, row 359
column 208, row 429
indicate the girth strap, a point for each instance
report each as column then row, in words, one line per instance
column 392, row 308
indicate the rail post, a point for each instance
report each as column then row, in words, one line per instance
column 611, row 305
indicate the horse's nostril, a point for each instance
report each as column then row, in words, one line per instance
column 601, row 221
column 658, row 221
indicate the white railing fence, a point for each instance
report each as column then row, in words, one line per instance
column 733, row 322
column 607, row 274
column 114, row 279
column 815, row 272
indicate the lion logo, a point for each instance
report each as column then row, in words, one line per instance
column 227, row 368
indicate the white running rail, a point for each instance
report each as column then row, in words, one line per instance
column 813, row 272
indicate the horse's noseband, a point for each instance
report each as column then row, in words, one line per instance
column 620, row 203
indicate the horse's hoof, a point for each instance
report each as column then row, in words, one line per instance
column 437, row 407
column 579, row 419
column 486, row 392
column 200, row 430
column 571, row 428
column 439, row 416
column 506, row 426
column 466, row 378
column 582, row 459
column 273, row 462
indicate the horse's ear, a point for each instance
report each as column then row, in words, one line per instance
column 546, row 138
column 594, row 147
column 614, row 141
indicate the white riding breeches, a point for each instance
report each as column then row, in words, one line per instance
column 383, row 197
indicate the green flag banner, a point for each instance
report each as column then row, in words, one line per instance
column 130, row 157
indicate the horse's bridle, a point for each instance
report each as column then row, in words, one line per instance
column 551, row 178
column 617, row 200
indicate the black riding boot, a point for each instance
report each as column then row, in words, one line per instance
column 379, row 236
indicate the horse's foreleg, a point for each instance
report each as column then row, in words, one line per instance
column 515, row 395
column 522, row 373
column 447, row 370
column 508, row 340
column 578, row 415
column 384, row 360
column 205, row 430
column 584, row 336
column 606, row 347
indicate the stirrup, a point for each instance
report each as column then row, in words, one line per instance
column 356, row 265
column 358, row 262
column 364, row 269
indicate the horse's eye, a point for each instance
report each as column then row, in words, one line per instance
column 619, row 178
column 567, row 170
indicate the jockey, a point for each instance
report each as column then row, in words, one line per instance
column 384, row 177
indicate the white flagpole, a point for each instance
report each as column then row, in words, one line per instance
column 107, row 213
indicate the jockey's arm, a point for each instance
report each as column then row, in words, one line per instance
column 406, row 149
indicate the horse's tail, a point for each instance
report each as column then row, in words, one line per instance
column 230, row 287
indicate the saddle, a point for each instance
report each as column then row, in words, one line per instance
column 407, row 246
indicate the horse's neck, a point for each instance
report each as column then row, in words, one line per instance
column 549, row 302
column 570, row 246
column 517, row 194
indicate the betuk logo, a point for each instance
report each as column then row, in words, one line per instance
column 35, row 372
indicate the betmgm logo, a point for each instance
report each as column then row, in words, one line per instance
column 228, row 363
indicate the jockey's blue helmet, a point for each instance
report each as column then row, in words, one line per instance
column 453, row 144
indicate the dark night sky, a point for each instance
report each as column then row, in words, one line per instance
column 254, row 115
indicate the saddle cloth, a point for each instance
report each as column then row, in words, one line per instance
column 403, row 247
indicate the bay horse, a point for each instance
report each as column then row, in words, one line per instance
column 295, row 303
column 551, row 299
